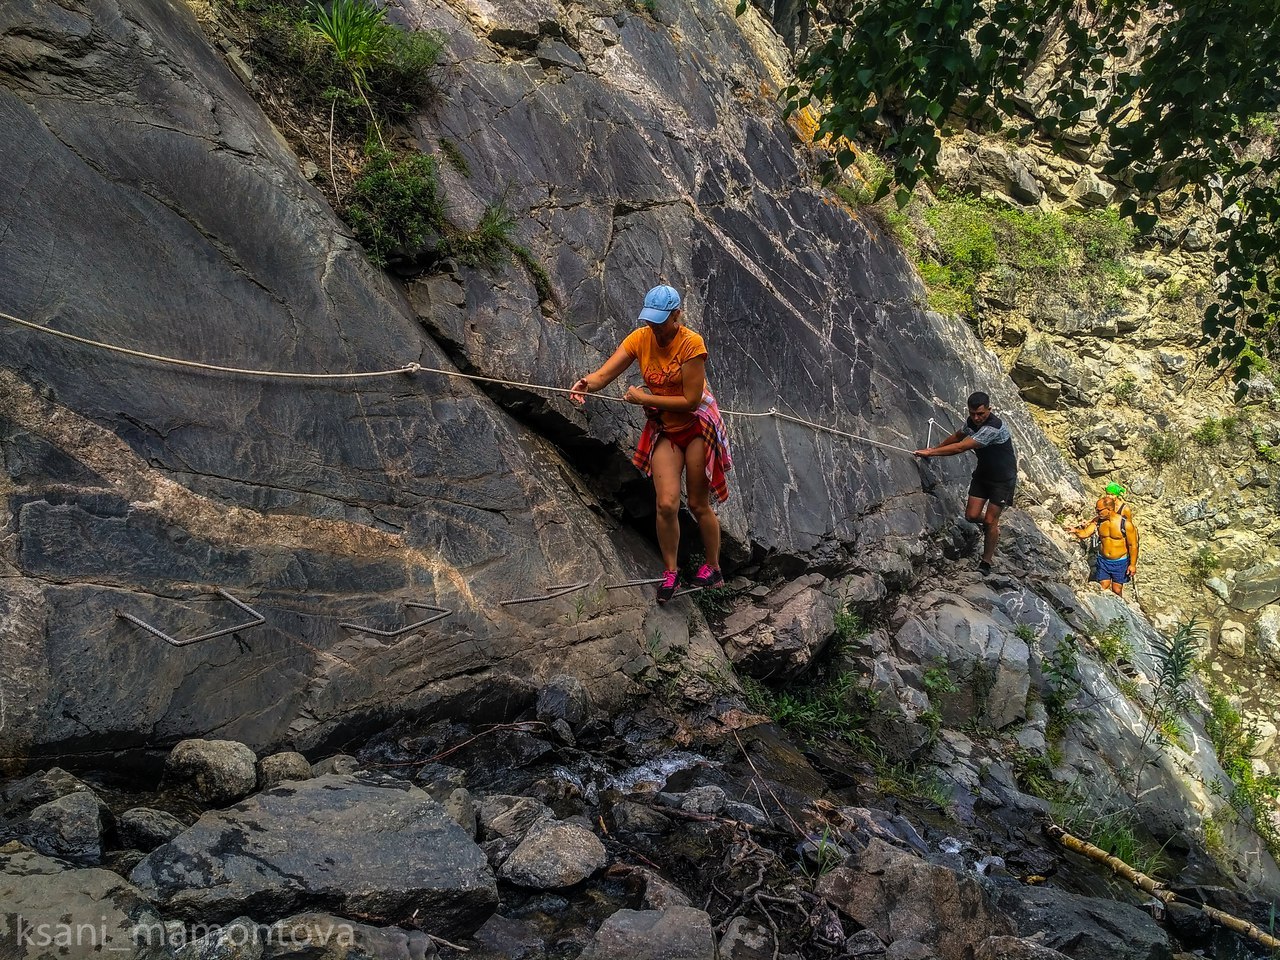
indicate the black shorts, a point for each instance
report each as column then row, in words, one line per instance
column 999, row 492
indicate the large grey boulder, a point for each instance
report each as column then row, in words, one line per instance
column 215, row 771
column 1254, row 588
column 677, row 933
column 1087, row 928
column 899, row 896
column 50, row 912
column 780, row 636
column 379, row 850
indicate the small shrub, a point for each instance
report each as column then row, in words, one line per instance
column 1209, row 433
column 1265, row 451
column 1113, row 642
column 1125, row 387
column 938, row 681
column 1163, row 447
column 1203, row 564
column 488, row 245
column 1102, row 235
column 396, row 206
column 849, row 625
column 1024, row 631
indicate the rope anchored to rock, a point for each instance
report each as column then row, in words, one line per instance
column 410, row 369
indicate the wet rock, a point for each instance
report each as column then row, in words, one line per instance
column 145, row 829
column 746, row 939
column 340, row 763
column 501, row 815
column 630, row 817
column 69, row 828
column 553, row 855
column 280, row 767
column 745, row 813
column 1086, row 928
column 215, row 771
column 708, row 799
column 564, row 698
column 322, row 936
column 680, row 933
column 1015, row 948
column 902, row 897
column 383, row 850
column 50, row 899
column 512, row 939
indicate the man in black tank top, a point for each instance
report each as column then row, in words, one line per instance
column 995, row 476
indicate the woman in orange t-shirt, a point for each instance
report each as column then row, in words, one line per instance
column 684, row 433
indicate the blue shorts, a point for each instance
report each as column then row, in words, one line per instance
column 1117, row 571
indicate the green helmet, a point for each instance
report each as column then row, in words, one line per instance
column 1115, row 489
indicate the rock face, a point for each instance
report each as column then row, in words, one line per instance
column 136, row 486
column 380, row 851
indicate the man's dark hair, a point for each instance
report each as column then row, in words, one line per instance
column 979, row 399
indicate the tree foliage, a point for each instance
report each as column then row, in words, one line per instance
column 1171, row 88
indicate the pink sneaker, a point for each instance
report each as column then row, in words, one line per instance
column 670, row 583
column 709, row 576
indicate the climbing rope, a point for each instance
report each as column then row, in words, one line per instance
column 413, row 368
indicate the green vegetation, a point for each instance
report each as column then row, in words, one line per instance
column 1265, row 451
column 1061, row 684
column 849, row 625
column 1209, row 433
column 1114, row 832
column 396, row 207
column 488, row 245
column 1112, row 642
column 1124, row 388
column 838, row 708
column 1235, row 741
column 983, row 243
column 454, row 156
column 1203, row 564
column 1180, row 113
column 1163, row 447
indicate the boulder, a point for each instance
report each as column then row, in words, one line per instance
column 377, row 849
column 56, row 913
column 1086, row 928
column 554, row 854
column 501, row 815
column 215, row 771
column 679, row 933
column 899, row 896
column 145, row 829
column 780, row 636
column 1254, row 588
column 1266, row 632
column 69, row 828
column 280, row 767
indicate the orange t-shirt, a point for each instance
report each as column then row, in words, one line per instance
column 661, row 366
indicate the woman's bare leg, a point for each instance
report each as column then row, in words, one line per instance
column 667, row 465
column 695, row 459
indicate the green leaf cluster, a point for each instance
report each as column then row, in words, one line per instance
column 1191, row 79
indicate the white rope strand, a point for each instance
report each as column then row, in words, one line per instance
column 410, row 369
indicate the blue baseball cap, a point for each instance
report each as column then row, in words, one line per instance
column 658, row 304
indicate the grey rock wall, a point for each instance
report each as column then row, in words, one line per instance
column 147, row 202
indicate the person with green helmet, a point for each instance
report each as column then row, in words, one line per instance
column 1118, row 491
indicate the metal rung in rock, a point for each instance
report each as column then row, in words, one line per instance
column 257, row 621
column 441, row 613
column 559, row 590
